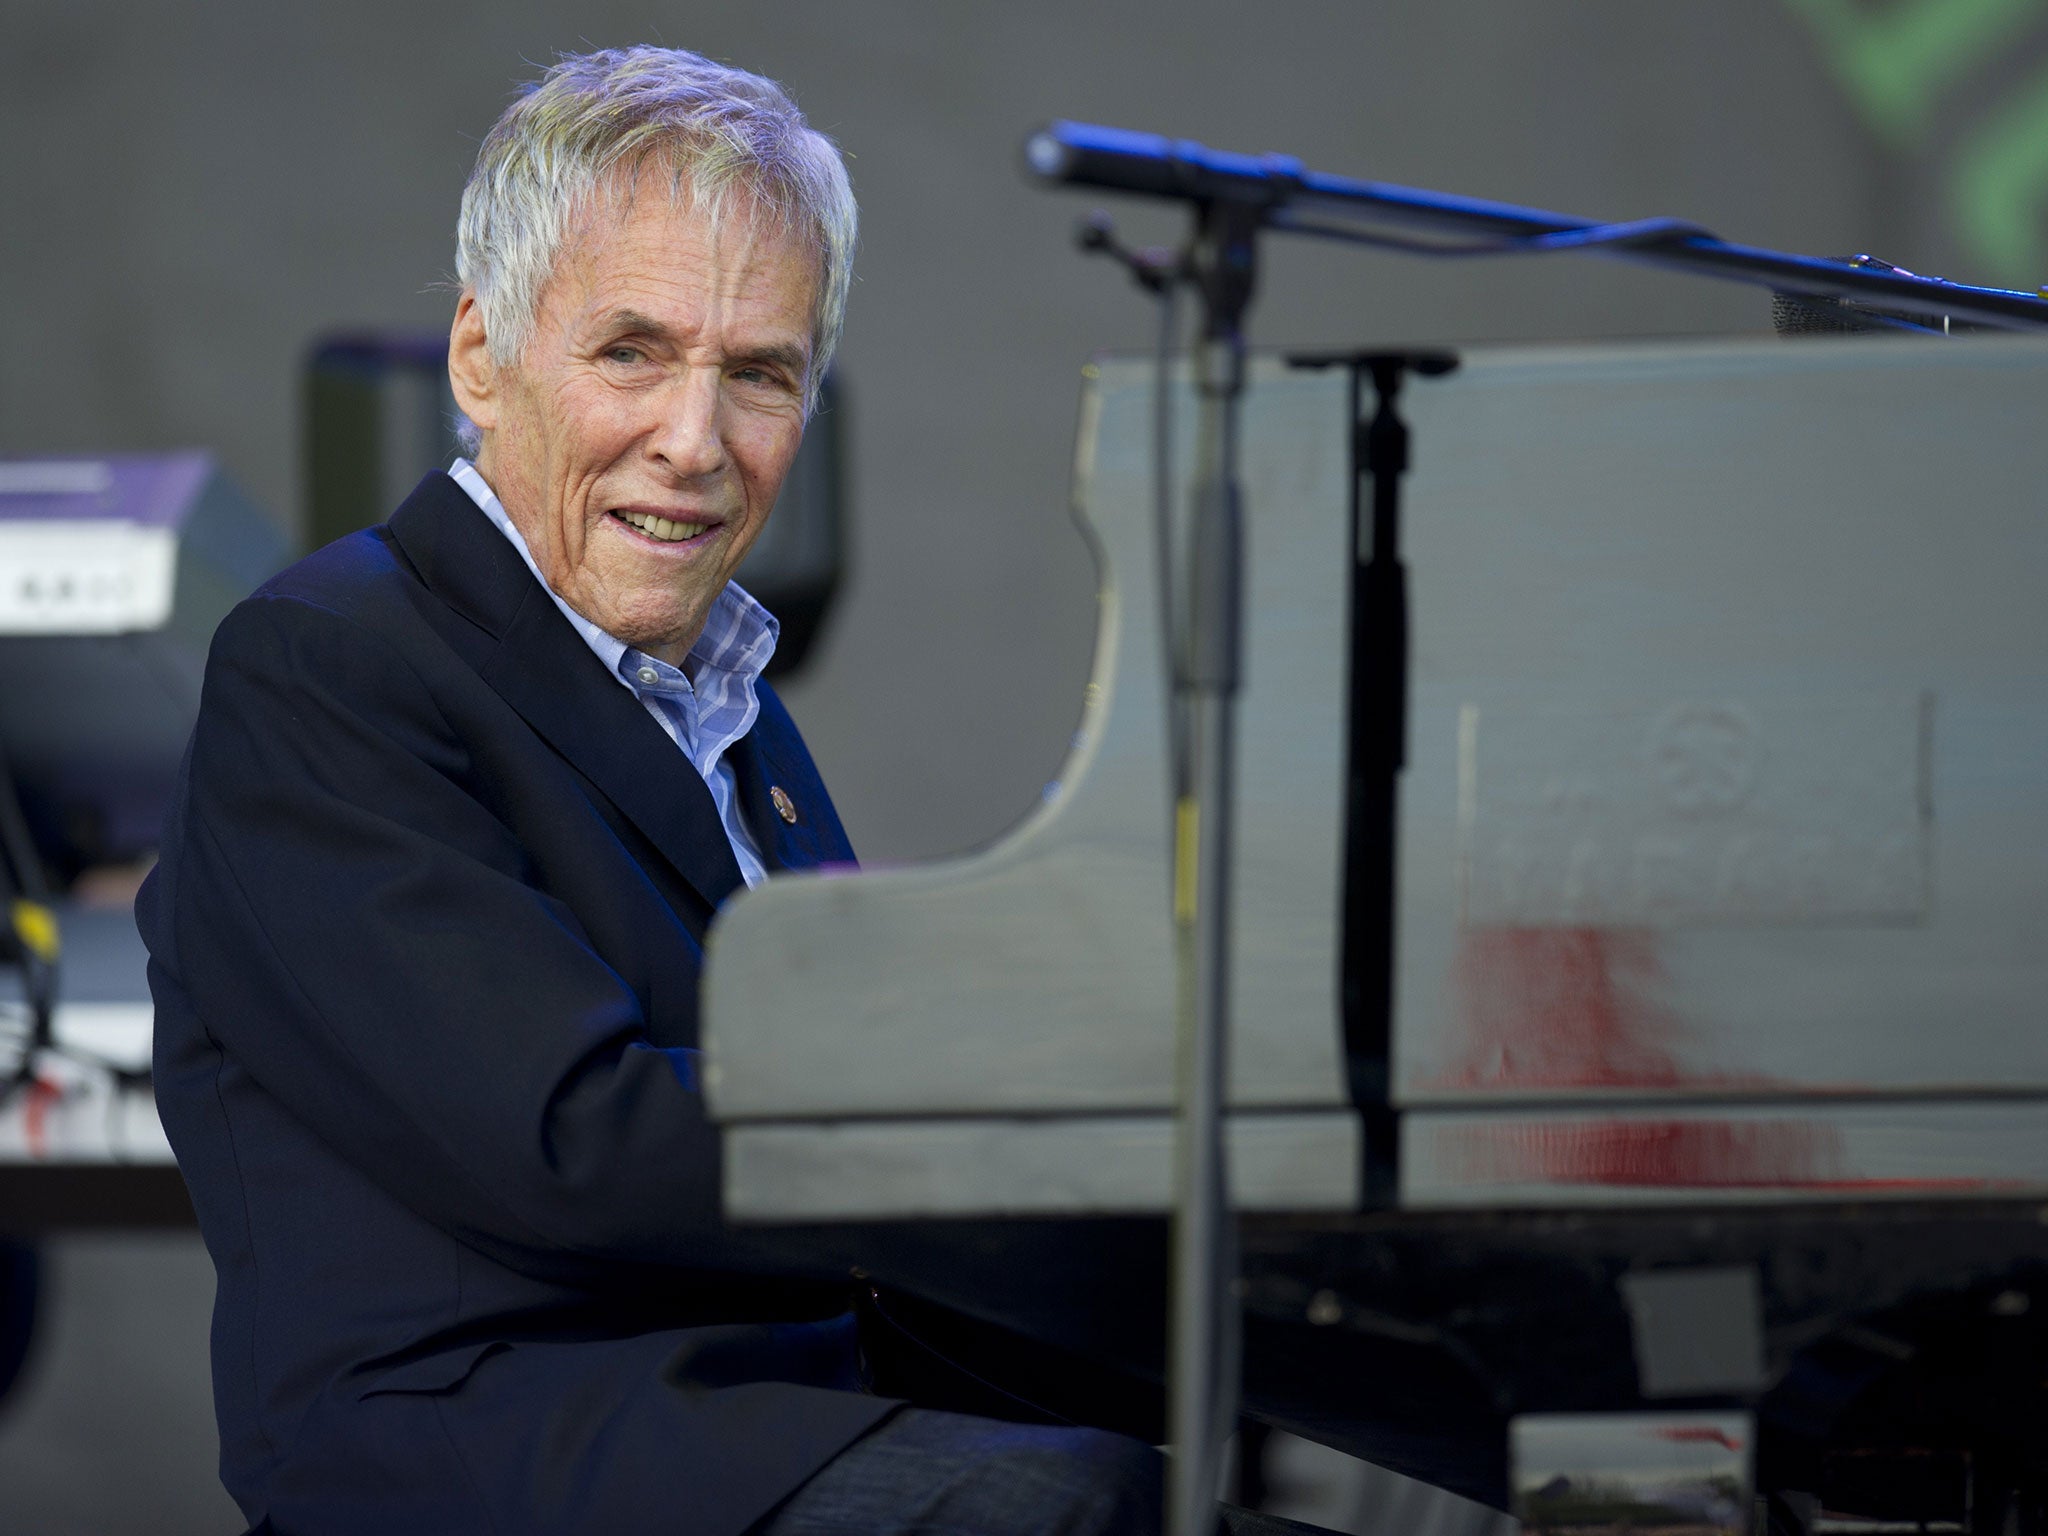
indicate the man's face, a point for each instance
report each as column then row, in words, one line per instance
column 640, row 440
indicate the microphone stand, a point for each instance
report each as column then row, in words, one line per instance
column 1208, row 668
column 1377, row 735
column 1206, row 653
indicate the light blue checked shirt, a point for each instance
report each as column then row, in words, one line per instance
column 706, row 704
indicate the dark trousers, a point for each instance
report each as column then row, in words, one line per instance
column 925, row 1473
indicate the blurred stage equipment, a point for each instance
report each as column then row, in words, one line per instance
column 29, row 944
column 379, row 414
column 114, row 571
column 28, row 977
column 1700, row 634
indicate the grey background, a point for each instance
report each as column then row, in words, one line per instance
column 190, row 194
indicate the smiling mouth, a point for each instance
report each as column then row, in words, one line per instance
column 665, row 530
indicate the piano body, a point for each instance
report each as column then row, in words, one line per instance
column 1722, row 929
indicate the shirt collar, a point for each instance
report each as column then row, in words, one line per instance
column 739, row 634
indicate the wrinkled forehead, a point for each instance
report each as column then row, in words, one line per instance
column 735, row 222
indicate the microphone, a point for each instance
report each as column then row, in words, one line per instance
column 1805, row 314
column 1117, row 160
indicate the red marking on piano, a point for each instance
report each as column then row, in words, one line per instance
column 1698, row 1434
column 1685, row 1154
column 1698, row 1154
column 35, row 1114
column 1563, row 1008
column 1570, row 1008
column 1981, row 1183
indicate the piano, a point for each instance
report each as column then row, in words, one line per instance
column 1716, row 1075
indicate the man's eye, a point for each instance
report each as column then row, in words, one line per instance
column 625, row 354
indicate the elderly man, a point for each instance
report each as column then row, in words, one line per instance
column 465, row 792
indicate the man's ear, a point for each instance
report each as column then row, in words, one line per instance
column 472, row 375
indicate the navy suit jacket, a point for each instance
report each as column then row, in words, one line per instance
column 425, row 939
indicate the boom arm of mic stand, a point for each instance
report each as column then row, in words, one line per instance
column 1301, row 201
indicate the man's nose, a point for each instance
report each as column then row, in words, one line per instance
column 689, row 434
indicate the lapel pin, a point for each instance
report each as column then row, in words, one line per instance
column 784, row 806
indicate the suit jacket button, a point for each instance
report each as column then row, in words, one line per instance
column 784, row 806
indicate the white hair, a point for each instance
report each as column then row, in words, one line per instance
column 585, row 131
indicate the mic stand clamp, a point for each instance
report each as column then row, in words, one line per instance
column 1153, row 268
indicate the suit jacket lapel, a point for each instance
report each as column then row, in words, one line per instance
column 782, row 845
column 762, row 820
column 771, row 756
column 542, row 668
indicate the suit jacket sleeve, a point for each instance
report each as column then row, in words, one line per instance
column 365, row 937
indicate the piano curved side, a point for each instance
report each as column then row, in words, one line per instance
column 1035, row 978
